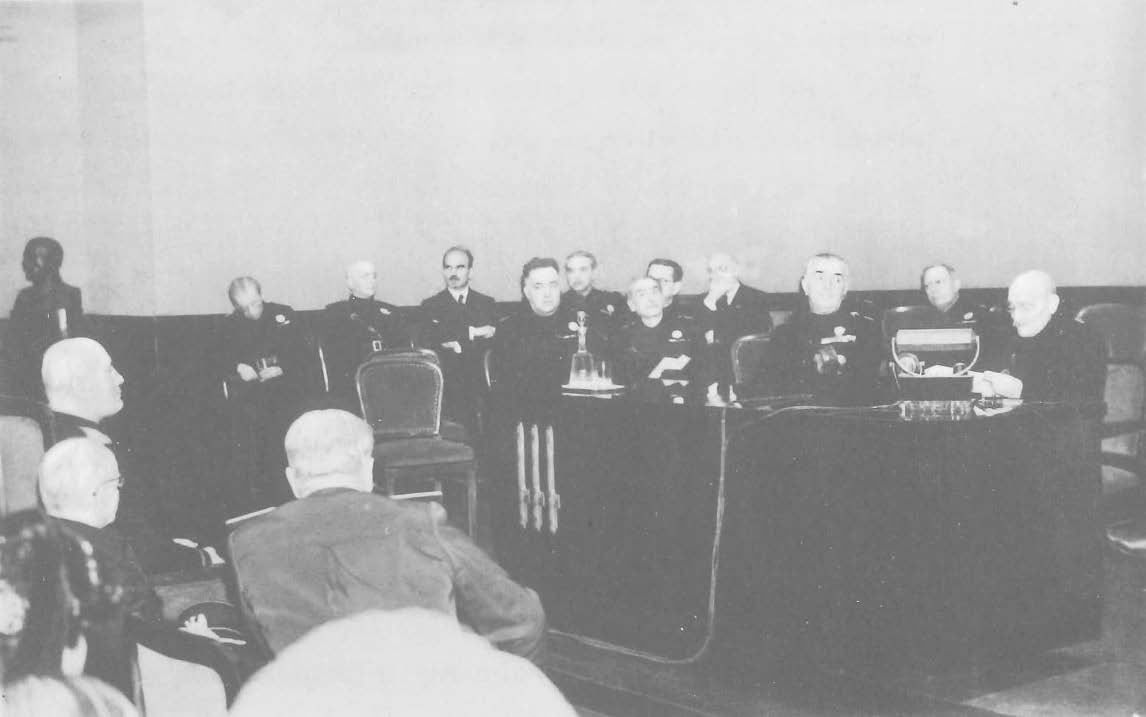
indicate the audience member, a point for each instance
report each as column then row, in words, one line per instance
column 357, row 327
column 398, row 662
column 379, row 552
column 657, row 353
column 729, row 311
column 84, row 389
column 1054, row 357
column 533, row 347
column 59, row 603
column 670, row 276
column 45, row 312
column 458, row 322
column 263, row 355
column 823, row 349
column 79, row 486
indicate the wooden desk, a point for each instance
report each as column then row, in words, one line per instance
column 840, row 537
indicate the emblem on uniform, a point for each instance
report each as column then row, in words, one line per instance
column 839, row 330
column 968, row 316
column 609, row 309
column 841, row 337
column 572, row 325
column 677, row 334
column 383, row 310
column 280, row 318
column 710, row 336
column 376, row 345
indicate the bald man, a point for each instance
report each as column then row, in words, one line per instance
column 341, row 549
column 357, row 327
column 728, row 311
column 824, row 349
column 79, row 485
column 1056, row 358
column 83, row 389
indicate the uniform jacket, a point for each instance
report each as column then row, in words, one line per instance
column 339, row 552
column 34, row 325
column 1066, row 361
column 353, row 330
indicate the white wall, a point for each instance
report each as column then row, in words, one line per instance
column 285, row 139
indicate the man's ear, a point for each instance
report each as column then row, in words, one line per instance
column 1053, row 303
column 295, row 484
column 632, row 304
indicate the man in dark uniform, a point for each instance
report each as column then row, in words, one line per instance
column 263, row 354
column 941, row 285
column 45, row 312
column 604, row 308
column 357, row 327
column 1055, row 358
column 730, row 310
column 657, row 353
column 824, row 349
column 670, row 276
column 458, row 322
column 534, row 346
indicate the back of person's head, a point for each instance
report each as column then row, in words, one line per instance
column 329, row 448
column 51, row 588
column 79, row 378
column 79, row 480
column 402, row 662
column 59, row 696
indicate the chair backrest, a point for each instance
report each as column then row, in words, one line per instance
column 1123, row 327
column 401, row 394
column 905, row 317
column 747, row 353
column 22, row 435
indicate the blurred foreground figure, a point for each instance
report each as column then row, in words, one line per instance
column 397, row 663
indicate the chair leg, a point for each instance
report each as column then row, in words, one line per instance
column 471, row 500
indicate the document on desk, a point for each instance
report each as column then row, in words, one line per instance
column 669, row 363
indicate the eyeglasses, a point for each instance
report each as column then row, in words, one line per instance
column 117, row 482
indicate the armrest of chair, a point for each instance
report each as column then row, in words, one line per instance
column 1132, row 464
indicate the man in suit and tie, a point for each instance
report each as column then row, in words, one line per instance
column 458, row 323
column 730, row 310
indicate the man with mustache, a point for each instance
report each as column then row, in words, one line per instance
column 458, row 323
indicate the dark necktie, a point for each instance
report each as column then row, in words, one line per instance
column 722, row 302
column 462, row 299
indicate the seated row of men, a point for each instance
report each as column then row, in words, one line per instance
column 662, row 349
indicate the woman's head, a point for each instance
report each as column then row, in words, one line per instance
column 51, row 588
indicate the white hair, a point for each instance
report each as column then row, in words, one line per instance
column 70, row 472
column 328, row 442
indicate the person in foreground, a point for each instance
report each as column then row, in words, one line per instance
column 409, row 661
column 340, row 549
column 1054, row 358
column 79, row 486
column 56, row 597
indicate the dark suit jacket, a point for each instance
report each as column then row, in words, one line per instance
column 339, row 552
column 109, row 655
column 746, row 314
column 444, row 319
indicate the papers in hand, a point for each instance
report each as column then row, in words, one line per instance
column 991, row 383
column 669, row 363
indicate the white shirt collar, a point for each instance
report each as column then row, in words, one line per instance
column 463, row 293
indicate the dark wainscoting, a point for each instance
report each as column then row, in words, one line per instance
column 176, row 415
